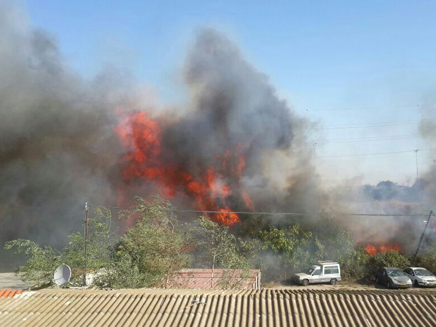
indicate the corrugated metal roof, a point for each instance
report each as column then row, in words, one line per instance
column 9, row 293
column 271, row 307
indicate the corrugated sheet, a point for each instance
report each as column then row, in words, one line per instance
column 216, row 279
column 271, row 307
column 9, row 293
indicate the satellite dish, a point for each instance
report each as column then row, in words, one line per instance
column 62, row 275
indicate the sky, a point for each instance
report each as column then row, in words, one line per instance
column 360, row 70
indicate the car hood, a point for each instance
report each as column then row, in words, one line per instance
column 427, row 278
column 400, row 279
column 302, row 275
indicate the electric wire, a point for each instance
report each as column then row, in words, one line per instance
column 366, row 108
column 371, row 139
column 374, row 154
column 372, row 125
column 263, row 213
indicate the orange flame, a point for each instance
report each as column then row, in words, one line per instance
column 371, row 249
column 147, row 160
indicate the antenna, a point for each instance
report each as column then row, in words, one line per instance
column 62, row 275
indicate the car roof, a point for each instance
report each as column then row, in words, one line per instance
column 324, row 263
column 414, row 268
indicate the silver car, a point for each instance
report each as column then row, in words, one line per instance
column 421, row 276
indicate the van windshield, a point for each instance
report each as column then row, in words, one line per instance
column 310, row 270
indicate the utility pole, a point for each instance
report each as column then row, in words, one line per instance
column 416, row 158
column 422, row 237
column 86, row 242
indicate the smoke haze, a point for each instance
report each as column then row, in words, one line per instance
column 238, row 146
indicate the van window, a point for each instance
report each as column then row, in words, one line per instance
column 317, row 272
column 328, row 270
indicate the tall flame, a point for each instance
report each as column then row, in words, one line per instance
column 147, row 160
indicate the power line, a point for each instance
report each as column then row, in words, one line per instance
column 365, row 108
column 277, row 213
column 372, row 125
column 370, row 139
column 373, row 154
column 301, row 213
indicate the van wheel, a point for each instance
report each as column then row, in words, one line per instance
column 305, row 282
column 388, row 284
column 333, row 281
column 416, row 283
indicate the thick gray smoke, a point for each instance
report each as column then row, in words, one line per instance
column 390, row 198
column 428, row 132
column 234, row 110
column 57, row 146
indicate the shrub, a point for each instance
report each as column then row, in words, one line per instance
column 41, row 261
column 386, row 259
column 152, row 248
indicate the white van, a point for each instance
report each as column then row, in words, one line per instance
column 323, row 272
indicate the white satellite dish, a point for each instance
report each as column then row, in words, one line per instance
column 62, row 275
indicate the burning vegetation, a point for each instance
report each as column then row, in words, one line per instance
column 148, row 162
column 234, row 146
column 372, row 249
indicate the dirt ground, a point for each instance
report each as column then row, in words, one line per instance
column 345, row 285
column 10, row 281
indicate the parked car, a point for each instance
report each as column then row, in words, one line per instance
column 421, row 276
column 393, row 277
column 323, row 272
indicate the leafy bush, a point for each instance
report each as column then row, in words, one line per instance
column 428, row 258
column 152, row 248
column 41, row 261
column 292, row 249
column 385, row 259
column 215, row 247
column 355, row 265
column 99, row 247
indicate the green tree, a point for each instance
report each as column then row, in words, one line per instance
column 153, row 248
column 216, row 247
column 284, row 251
column 428, row 258
column 386, row 259
column 99, row 246
column 41, row 261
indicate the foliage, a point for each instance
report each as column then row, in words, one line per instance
column 41, row 261
column 386, row 259
column 215, row 247
column 283, row 250
column 157, row 245
column 153, row 247
column 99, row 246
column 355, row 265
column 120, row 273
column 291, row 249
column 428, row 258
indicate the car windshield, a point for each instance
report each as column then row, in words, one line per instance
column 396, row 273
column 310, row 270
column 423, row 272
